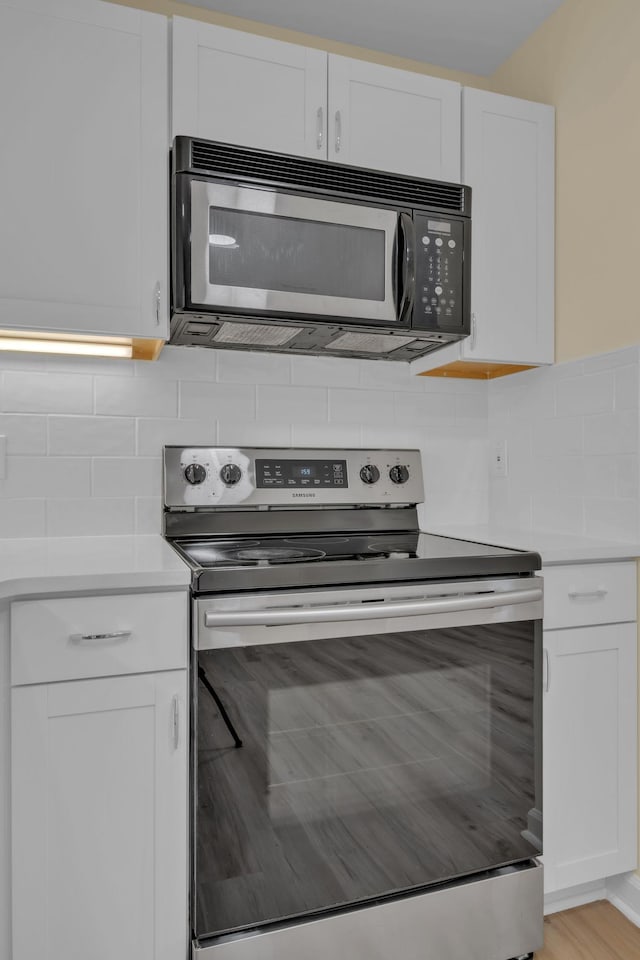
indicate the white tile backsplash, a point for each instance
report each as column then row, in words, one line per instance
column 91, row 436
column 25, row 434
column 136, row 397
column 580, row 474
column 278, row 404
column 85, row 439
column 200, row 400
column 361, row 406
column 78, row 517
column 126, row 477
column 30, row 392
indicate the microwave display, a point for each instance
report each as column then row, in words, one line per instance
column 266, row 251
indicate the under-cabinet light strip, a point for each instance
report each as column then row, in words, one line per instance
column 74, row 347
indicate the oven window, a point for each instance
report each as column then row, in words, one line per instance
column 369, row 766
column 268, row 252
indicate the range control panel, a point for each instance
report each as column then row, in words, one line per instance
column 240, row 476
column 439, row 271
column 284, row 474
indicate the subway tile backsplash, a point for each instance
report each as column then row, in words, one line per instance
column 85, row 436
column 573, row 446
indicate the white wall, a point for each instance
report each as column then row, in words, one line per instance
column 573, row 451
column 85, row 437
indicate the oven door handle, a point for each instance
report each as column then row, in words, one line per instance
column 286, row 616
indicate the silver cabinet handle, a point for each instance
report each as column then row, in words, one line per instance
column 546, row 671
column 338, row 131
column 588, row 594
column 116, row 635
column 369, row 611
column 320, row 127
column 175, row 721
column 157, row 302
column 474, row 331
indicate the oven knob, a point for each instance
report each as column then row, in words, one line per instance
column 195, row 473
column 399, row 474
column 369, row 473
column 230, row 474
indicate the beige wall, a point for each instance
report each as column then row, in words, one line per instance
column 585, row 60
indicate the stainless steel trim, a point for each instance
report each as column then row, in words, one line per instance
column 370, row 611
column 588, row 594
column 206, row 194
column 225, row 608
column 320, row 128
column 493, row 918
column 326, row 521
column 338, row 131
column 212, row 493
column 116, row 635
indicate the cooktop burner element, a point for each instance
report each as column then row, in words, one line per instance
column 276, row 555
column 311, row 518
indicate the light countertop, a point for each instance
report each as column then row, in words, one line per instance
column 49, row 565
column 554, row 548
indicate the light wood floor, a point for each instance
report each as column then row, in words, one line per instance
column 596, row 931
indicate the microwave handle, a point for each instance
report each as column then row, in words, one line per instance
column 406, row 263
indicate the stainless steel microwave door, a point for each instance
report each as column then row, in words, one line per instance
column 266, row 251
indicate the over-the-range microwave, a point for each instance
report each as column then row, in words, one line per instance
column 289, row 254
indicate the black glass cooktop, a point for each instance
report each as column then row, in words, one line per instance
column 221, row 564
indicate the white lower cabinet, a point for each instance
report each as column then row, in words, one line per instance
column 99, row 786
column 589, row 730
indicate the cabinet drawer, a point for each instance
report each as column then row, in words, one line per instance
column 589, row 593
column 78, row 637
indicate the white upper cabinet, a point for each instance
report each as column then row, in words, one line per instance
column 394, row 120
column 239, row 88
column 508, row 161
column 83, row 168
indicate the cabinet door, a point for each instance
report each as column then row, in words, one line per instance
column 393, row 120
column 508, row 161
column 239, row 88
column 83, row 168
column 99, row 800
column 589, row 754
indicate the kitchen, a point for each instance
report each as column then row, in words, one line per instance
column 85, row 436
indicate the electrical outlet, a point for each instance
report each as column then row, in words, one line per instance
column 499, row 463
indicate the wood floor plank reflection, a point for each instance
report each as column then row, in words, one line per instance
column 370, row 765
column 596, row 931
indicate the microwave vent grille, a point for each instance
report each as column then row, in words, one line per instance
column 222, row 160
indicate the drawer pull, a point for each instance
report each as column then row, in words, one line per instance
column 588, row 594
column 118, row 635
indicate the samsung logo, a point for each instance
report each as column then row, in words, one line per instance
column 303, row 494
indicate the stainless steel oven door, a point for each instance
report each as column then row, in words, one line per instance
column 358, row 745
column 262, row 251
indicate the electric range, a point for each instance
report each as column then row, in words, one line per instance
column 366, row 714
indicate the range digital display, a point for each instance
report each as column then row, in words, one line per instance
column 292, row 474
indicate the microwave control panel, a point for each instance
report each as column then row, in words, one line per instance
column 439, row 272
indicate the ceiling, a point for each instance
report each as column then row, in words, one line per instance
column 471, row 35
